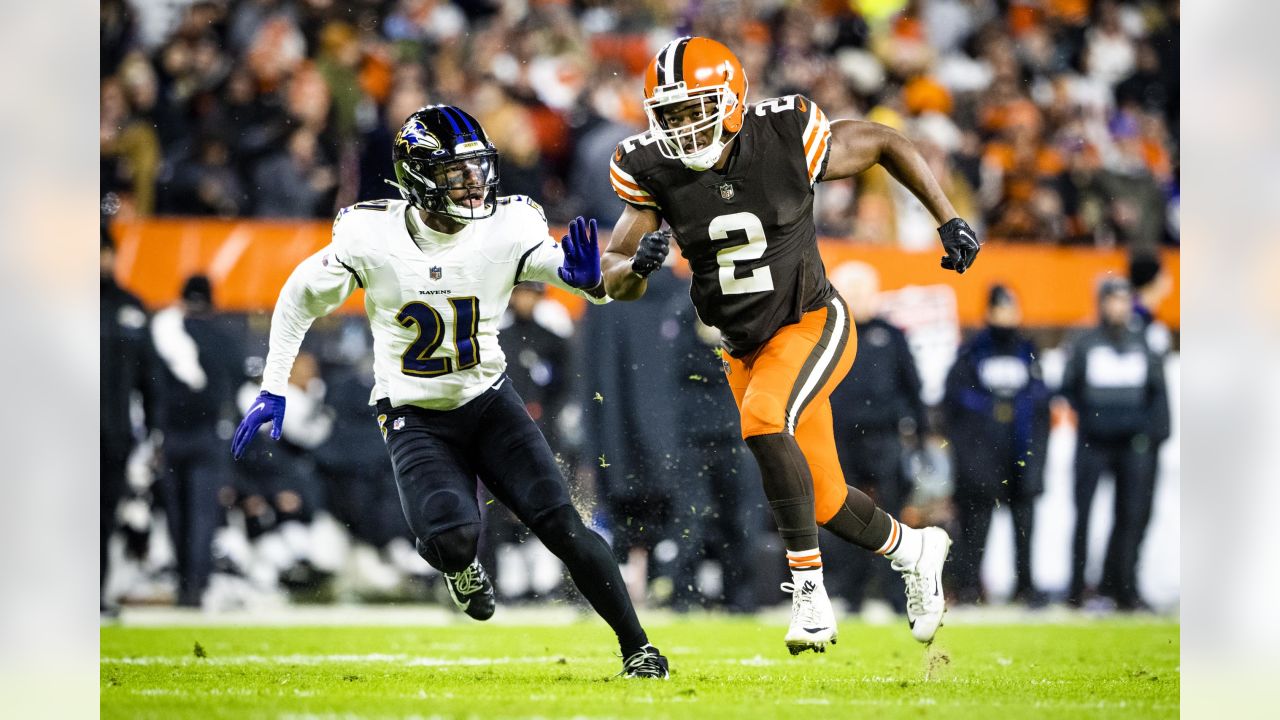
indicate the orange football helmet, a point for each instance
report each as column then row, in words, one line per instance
column 692, row 69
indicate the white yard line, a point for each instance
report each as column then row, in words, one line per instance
column 300, row 659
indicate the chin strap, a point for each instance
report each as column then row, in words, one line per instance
column 450, row 207
column 704, row 160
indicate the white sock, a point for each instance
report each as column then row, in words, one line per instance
column 799, row 576
column 904, row 546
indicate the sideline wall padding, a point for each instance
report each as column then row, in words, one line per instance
column 249, row 260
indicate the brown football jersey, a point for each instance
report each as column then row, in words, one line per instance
column 747, row 230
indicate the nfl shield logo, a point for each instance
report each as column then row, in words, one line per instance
column 436, row 272
column 726, row 191
column 397, row 424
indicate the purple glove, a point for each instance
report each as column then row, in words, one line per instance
column 267, row 408
column 581, row 268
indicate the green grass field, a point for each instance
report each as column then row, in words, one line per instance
column 721, row 668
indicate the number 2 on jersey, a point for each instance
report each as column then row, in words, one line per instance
column 417, row 360
column 725, row 227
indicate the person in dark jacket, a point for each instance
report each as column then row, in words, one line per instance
column 631, row 422
column 873, row 409
column 537, row 356
column 1151, row 285
column 997, row 415
column 722, row 512
column 123, row 369
column 199, row 366
column 359, row 487
column 1116, row 385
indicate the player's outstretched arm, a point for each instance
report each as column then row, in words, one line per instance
column 856, row 145
column 315, row 288
column 636, row 248
column 581, row 266
column 572, row 264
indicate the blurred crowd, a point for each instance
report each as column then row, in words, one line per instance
column 1049, row 121
column 646, row 433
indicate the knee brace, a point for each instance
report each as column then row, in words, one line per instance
column 452, row 550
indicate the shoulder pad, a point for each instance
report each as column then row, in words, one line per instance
column 800, row 115
column 628, row 169
column 631, row 144
column 364, row 208
column 782, row 104
column 367, row 206
column 360, row 229
column 525, row 200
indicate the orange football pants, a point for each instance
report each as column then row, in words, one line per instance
column 786, row 385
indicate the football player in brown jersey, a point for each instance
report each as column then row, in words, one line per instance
column 734, row 182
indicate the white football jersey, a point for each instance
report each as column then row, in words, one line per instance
column 434, row 303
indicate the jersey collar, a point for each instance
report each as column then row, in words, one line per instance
column 424, row 237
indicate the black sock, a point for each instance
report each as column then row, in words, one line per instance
column 594, row 572
column 860, row 522
column 788, row 485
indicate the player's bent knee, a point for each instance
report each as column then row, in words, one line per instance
column 828, row 503
column 440, row 511
column 762, row 414
column 452, row 550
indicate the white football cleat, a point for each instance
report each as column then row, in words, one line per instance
column 813, row 623
column 925, row 603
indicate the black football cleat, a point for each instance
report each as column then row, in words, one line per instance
column 472, row 591
column 647, row 662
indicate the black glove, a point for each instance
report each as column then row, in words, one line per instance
column 961, row 244
column 653, row 250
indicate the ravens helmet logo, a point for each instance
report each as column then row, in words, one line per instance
column 415, row 134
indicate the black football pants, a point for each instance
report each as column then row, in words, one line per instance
column 438, row 455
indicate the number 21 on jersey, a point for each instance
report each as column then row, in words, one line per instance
column 726, row 227
column 417, row 360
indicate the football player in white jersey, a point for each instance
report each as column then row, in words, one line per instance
column 437, row 270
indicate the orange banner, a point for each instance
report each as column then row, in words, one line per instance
column 248, row 262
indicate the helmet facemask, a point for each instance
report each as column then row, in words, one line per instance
column 689, row 124
column 462, row 189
